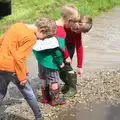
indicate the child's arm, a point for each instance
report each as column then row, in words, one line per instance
column 79, row 50
column 20, row 57
column 58, row 56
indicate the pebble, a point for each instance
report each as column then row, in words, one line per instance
column 101, row 86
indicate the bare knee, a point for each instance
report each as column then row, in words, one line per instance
column 54, row 86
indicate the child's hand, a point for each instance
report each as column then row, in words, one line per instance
column 68, row 60
column 61, row 66
column 80, row 71
column 23, row 83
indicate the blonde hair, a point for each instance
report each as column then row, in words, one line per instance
column 70, row 12
column 83, row 25
column 47, row 26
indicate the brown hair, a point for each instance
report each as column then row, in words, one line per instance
column 83, row 25
column 47, row 26
column 70, row 12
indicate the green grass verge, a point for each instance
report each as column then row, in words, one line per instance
column 29, row 10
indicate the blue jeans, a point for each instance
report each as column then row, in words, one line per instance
column 71, row 50
column 6, row 78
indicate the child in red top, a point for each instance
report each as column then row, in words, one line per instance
column 74, row 40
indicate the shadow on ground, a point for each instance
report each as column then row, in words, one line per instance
column 15, row 117
column 114, row 113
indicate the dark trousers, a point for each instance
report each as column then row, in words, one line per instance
column 71, row 50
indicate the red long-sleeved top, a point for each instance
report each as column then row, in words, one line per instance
column 75, row 39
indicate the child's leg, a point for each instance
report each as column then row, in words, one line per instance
column 63, row 72
column 45, row 87
column 30, row 98
column 4, row 82
column 68, row 76
column 63, row 77
column 41, row 71
column 45, row 92
column 69, row 89
column 72, row 81
column 57, row 97
column 43, row 83
column 53, row 79
column 71, row 50
column 54, row 86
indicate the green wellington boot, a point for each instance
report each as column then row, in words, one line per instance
column 72, row 81
column 63, row 76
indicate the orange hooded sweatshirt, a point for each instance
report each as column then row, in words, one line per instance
column 15, row 46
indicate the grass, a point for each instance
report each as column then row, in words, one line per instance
column 29, row 10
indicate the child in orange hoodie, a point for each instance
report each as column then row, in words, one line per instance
column 15, row 46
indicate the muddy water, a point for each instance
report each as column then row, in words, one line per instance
column 101, row 51
column 94, row 112
column 102, row 44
